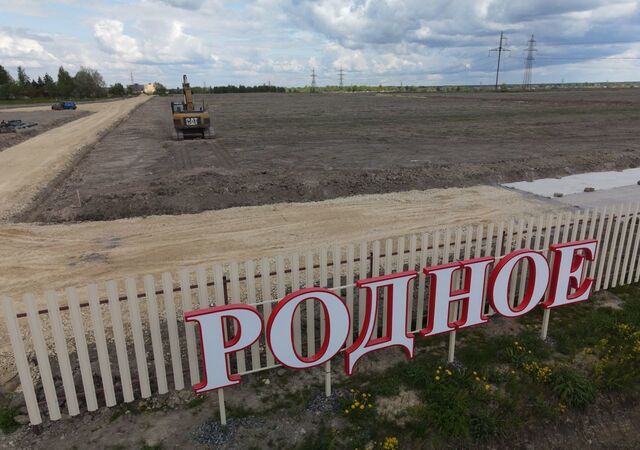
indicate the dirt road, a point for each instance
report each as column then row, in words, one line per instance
column 27, row 168
column 38, row 257
column 294, row 148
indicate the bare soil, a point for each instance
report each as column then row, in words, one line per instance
column 297, row 148
column 46, row 120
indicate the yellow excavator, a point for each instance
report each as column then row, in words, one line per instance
column 190, row 122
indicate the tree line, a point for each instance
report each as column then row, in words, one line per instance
column 85, row 83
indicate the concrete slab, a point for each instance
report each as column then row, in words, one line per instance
column 600, row 199
column 575, row 184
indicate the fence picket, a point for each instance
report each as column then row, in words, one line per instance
column 42, row 356
column 363, row 273
column 612, row 241
column 138, row 340
column 82, row 350
column 156, row 340
column 265, row 274
column 601, row 218
column 203, row 291
column 349, row 280
column 62, row 352
column 420, row 307
column 634, row 254
column 101, row 346
column 22, row 364
column 234, row 280
column 172, row 329
column 631, row 226
column 250, row 277
column 189, row 328
column 621, row 246
column 324, row 275
column 118, row 336
column 411, row 265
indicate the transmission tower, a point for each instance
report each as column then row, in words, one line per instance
column 313, row 79
column 500, row 49
column 528, row 64
column 341, row 78
column 131, row 77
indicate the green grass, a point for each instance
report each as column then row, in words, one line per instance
column 507, row 383
column 7, row 422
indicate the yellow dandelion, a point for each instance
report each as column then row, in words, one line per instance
column 437, row 378
column 361, row 406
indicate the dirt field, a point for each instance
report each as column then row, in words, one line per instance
column 32, row 166
column 292, row 148
column 37, row 257
column 46, row 120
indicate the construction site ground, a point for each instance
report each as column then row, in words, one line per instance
column 45, row 120
column 272, row 148
column 374, row 166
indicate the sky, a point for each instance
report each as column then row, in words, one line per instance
column 389, row 42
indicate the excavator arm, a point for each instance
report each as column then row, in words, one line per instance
column 188, row 95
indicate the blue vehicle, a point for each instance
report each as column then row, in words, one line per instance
column 64, row 105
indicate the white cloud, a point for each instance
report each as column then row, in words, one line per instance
column 16, row 50
column 110, row 35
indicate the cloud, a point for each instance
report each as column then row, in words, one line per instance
column 191, row 5
column 162, row 42
column 110, row 35
column 16, row 50
column 253, row 41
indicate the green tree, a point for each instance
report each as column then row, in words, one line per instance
column 89, row 83
column 66, row 84
column 5, row 76
column 24, row 87
column 50, row 89
column 6, row 81
column 117, row 90
column 160, row 89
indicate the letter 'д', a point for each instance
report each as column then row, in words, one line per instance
column 226, row 330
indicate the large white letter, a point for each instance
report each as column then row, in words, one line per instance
column 280, row 328
column 442, row 295
column 211, row 323
column 537, row 283
column 568, row 266
column 396, row 334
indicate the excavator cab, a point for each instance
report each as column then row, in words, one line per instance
column 190, row 122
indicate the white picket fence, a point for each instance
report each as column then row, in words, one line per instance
column 117, row 341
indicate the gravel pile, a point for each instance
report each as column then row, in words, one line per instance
column 217, row 436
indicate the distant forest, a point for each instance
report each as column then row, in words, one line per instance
column 86, row 83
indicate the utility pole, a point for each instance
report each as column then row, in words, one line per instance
column 131, row 77
column 528, row 64
column 313, row 79
column 341, row 78
column 501, row 48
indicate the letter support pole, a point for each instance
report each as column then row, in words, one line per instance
column 221, row 405
column 545, row 324
column 327, row 379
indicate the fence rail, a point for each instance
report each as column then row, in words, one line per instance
column 114, row 342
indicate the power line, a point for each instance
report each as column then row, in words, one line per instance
column 528, row 65
column 501, row 48
column 313, row 79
